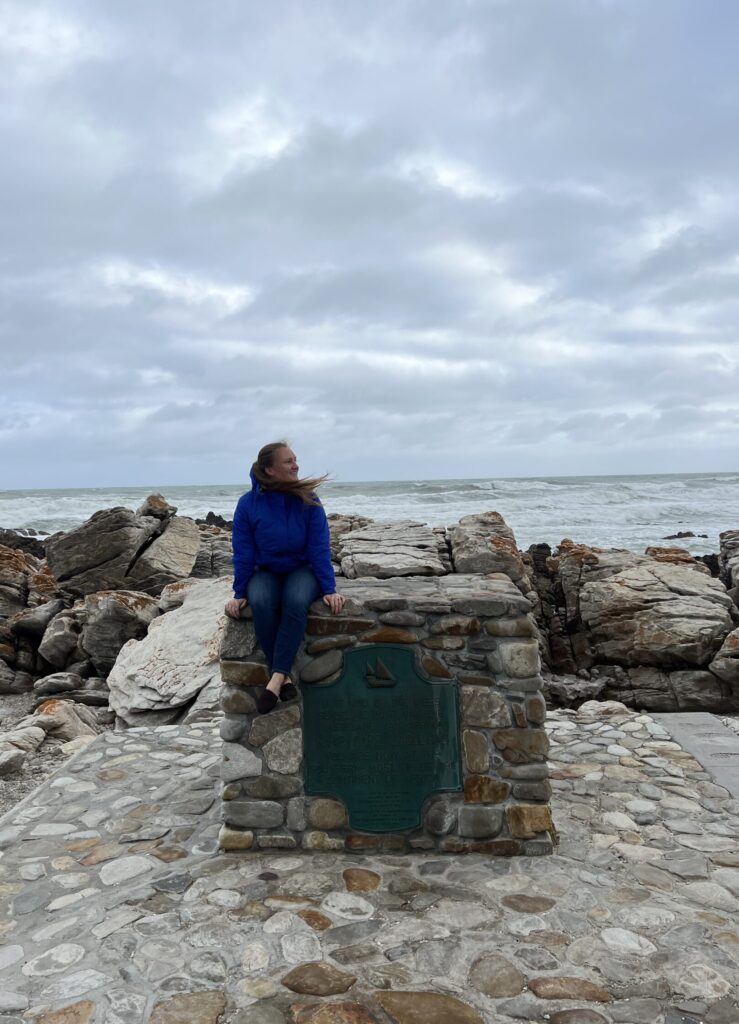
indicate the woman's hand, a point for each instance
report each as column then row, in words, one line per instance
column 235, row 606
column 335, row 602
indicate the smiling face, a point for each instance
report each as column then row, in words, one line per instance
column 284, row 468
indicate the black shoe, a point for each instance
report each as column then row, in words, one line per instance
column 289, row 691
column 266, row 701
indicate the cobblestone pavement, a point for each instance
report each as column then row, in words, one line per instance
column 119, row 909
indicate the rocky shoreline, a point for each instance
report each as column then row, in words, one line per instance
column 117, row 622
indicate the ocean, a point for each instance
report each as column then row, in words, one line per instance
column 607, row 511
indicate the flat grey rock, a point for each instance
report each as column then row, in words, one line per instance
column 710, row 742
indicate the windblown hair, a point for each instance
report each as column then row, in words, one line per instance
column 304, row 489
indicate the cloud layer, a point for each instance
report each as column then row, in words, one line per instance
column 495, row 237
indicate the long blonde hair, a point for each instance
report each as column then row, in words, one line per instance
column 304, row 489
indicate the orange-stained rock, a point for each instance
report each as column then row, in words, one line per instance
column 481, row 789
column 519, row 715
column 360, row 880
column 109, row 851
column 525, row 820
column 581, row 554
column 335, row 625
column 189, row 1008
column 318, row 979
column 453, row 844
column 577, row 1016
column 318, row 921
column 361, row 841
column 244, row 673
column 569, row 988
column 77, row 1013
column 42, row 584
column 169, row 853
column 356, row 841
column 390, row 635
column 524, row 904
column 678, row 556
column 78, row 845
column 435, row 668
column 426, row 1008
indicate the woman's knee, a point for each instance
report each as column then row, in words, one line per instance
column 300, row 593
column 262, row 594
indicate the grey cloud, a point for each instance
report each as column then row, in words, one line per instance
column 420, row 239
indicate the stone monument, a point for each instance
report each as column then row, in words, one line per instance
column 419, row 726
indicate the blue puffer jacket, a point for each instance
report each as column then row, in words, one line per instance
column 278, row 531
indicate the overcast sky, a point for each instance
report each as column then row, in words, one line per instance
column 418, row 239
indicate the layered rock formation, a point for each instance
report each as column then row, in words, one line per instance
column 484, row 543
column 64, row 619
column 655, row 630
column 117, row 549
column 729, row 561
column 385, row 550
column 153, row 679
column 650, row 627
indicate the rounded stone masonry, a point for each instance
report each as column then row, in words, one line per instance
column 419, row 725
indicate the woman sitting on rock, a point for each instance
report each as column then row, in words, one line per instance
column 282, row 562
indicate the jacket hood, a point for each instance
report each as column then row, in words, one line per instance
column 255, row 485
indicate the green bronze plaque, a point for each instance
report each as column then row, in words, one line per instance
column 382, row 738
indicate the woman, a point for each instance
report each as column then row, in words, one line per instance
column 282, row 562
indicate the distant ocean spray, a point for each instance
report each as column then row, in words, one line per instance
column 608, row 511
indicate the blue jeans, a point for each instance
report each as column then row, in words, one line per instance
column 279, row 604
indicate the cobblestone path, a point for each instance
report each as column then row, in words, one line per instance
column 117, row 907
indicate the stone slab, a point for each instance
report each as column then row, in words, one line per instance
column 710, row 742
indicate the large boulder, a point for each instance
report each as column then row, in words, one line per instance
column 11, row 682
column 15, row 568
column 117, row 549
column 59, row 643
column 648, row 626
column 62, row 720
column 23, row 736
column 214, row 558
column 660, row 614
column 574, row 564
column 340, row 524
column 483, row 543
column 42, row 587
column 171, row 556
column 32, row 622
column 657, row 690
column 97, row 555
column 156, row 505
column 92, row 691
column 57, row 683
column 725, row 666
column 112, row 617
column 175, row 660
column 384, row 550
column 23, row 540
